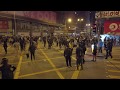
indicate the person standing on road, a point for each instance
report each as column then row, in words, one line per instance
column 109, row 49
column 7, row 70
column 67, row 55
column 44, row 41
column 79, row 56
column 21, row 44
column 32, row 49
column 100, row 44
column 5, row 45
column 94, row 52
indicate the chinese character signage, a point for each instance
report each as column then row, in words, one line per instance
column 107, row 14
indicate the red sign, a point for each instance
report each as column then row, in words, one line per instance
column 112, row 27
column 3, row 24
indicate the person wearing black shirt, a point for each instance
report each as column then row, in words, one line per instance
column 67, row 55
column 7, row 70
column 79, row 56
column 109, row 49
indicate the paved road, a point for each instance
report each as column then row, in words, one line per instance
column 50, row 64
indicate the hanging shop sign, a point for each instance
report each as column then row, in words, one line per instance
column 107, row 14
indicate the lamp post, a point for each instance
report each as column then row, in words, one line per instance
column 14, row 31
column 68, row 20
column 80, row 20
column 88, row 28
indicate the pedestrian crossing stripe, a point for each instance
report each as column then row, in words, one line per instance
column 52, row 64
column 47, row 71
column 114, row 65
column 114, row 77
column 117, row 71
column 114, row 61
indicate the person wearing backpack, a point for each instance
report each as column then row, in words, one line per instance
column 7, row 70
column 67, row 55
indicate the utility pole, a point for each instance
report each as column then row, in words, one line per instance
column 14, row 31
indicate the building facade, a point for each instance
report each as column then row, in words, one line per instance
column 25, row 22
column 108, row 22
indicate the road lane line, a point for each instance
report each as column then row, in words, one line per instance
column 113, row 65
column 17, row 72
column 58, row 72
column 114, row 71
column 114, row 77
column 114, row 61
column 41, row 60
column 41, row 72
column 75, row 73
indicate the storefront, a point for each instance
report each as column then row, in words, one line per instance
column 26, row 22
column 108, row 24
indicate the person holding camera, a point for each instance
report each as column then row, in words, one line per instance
column 7, row 70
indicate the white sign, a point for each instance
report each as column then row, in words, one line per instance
column 107, row 14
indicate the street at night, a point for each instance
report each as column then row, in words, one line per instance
column 50, row 64
column 59, row 44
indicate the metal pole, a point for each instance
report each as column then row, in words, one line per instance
column 65, row 27
column 14, row 24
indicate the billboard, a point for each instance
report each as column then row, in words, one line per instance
column 112, row 27
column 47, row 16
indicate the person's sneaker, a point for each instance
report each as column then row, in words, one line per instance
column 92, row 60
column 105, row 58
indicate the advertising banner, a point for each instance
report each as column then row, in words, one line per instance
column 112, row 27
column 47, row 16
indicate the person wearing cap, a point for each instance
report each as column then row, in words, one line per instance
column 6, row 69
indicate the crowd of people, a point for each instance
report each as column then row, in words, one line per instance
column 79, row 43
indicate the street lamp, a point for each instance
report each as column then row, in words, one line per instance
column 68, row 20
column 87, row 24
column 88, row 28
column 81, row 19
column 78, row 19
column 14, row 31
